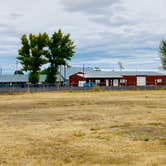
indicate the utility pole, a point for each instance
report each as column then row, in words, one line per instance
column 113, row 68
column 16, row 65
column 0, row 70
column 83, row 70
column 60, row 74
column 65, row 74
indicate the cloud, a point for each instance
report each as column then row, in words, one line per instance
column 106, row 12
column 15, row 15
column 114, row 21
column 130, row 61
column 104, row 31
column 89, row 6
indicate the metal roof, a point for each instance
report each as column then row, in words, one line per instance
column 141, row 73
column 73, row 70
column 101, row 74
column 23, row 78
column 119, row 74
column 18, row 78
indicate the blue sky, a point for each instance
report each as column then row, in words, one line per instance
column 105, row 31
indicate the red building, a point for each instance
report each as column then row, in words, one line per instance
column 117, row 78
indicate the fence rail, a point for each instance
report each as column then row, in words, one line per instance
column 50, row 87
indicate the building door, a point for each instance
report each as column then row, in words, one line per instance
column 116, row 82
column 107, row 83
column 141, row 81
column 81, row 83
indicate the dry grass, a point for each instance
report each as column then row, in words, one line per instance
column 83, row 128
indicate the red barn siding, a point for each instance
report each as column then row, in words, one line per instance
column 129, row 80
column 152, row 80
column 102, row 81
column 75, row 78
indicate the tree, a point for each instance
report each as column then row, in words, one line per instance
column 31, row 54
column 61, row 50
column 163, row 54
column 18, row 72
column 44, row 72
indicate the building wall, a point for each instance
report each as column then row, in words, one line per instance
column 75, row 78
column 154, row 80
column 130, row 81
column 150, row 80
column 102, row 81
column 124, row 81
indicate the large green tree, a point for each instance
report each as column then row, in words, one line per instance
column 31, row 54
column 163, row 53
column 61, row 50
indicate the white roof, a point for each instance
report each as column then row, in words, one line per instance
column 73, row 70
column 23, row 78
column 18, row 78
column 119, row 74
column 101, row 74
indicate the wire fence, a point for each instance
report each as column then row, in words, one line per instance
column 22, row 88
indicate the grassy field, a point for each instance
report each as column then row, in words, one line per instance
column 83, row 128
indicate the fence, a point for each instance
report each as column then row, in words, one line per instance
column 16, row 88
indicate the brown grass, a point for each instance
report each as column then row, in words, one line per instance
column 83, row 128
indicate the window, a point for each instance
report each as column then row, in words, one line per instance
column 97, row 81
column 81, row 83
column 123, row 81
column 141, row 81
column 159, row 80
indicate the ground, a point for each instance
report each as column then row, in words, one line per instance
column 83, row 128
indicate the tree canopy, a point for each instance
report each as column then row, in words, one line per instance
column 18, row 72
column 37, row 50
column 31, row 54
column 61, row 50
column 163, row 53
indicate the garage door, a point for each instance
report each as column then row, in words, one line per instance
column 107, row 83
column 81, row 83
column 141, row 81
column 115, row 82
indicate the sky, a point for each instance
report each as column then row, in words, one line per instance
column 104, row 31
